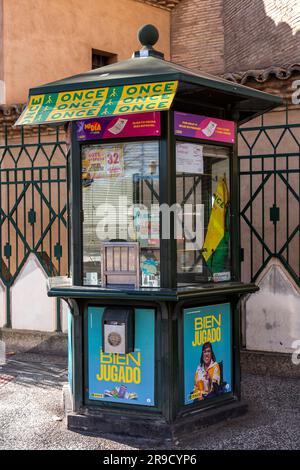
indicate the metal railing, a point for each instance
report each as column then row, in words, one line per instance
column 33, row 204
column 269, row 157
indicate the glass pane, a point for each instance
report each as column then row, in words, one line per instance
column 120, row 197
column 202, row 185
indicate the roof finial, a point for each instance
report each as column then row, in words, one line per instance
column 148, row 36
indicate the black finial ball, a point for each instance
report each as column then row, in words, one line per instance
column 148, row 35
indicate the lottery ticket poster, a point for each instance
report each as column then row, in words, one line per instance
column 100, row 161
column 204, row 127
column 116, row 127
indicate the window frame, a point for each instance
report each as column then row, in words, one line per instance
column 190, row 279
column 114, row 142
column 109, row 58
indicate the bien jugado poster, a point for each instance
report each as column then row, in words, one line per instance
column 207, row 352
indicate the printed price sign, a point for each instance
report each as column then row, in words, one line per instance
column 189, row 158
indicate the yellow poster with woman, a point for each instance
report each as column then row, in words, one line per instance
column 207, row 352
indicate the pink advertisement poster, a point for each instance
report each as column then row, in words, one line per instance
column 203, row 127
column 117, row 127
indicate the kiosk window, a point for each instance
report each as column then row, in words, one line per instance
column 120, row 199
column 202, row 186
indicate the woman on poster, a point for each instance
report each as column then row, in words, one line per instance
column 208, row 374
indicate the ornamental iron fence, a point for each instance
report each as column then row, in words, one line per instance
column 269, row 156
column 33, row 204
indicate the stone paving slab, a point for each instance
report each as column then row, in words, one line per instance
column 31, row 413
column 4, row 379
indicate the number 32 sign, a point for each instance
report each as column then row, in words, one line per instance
column 114, row 161
column 102, row 161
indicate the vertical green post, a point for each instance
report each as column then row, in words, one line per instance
column 58, row 316
column 8, row 308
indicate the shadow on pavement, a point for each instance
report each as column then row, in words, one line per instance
column 37, row 370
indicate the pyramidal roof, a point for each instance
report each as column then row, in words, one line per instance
column 147, row 69
column 195, row 88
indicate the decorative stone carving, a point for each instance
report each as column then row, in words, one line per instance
column 261, row 76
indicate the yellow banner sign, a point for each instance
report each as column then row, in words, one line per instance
column 98, row 102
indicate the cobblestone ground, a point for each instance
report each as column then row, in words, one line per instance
column 31, row 414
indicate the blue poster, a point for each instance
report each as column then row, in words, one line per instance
column 207, row 352
column 122, row 378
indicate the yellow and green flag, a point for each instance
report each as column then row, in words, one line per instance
column 216, row 243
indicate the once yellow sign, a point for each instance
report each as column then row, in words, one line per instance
column 98, row 102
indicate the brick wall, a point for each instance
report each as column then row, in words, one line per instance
column 220, row 36
column 260, row 33
column 197, row 35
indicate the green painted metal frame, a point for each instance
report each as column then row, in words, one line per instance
column 282, row 252
column 28, row 190
column 75, row 201
column 167, row 195
column 168, row 301
column 234, row 191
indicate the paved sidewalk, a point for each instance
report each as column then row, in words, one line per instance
column 31, row 414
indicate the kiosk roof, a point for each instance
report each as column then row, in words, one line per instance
column 194, row 85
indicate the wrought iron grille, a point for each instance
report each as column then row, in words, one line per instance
column 269, row 155
column 33, row 203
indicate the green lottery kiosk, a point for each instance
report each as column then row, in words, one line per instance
column 154, row 283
